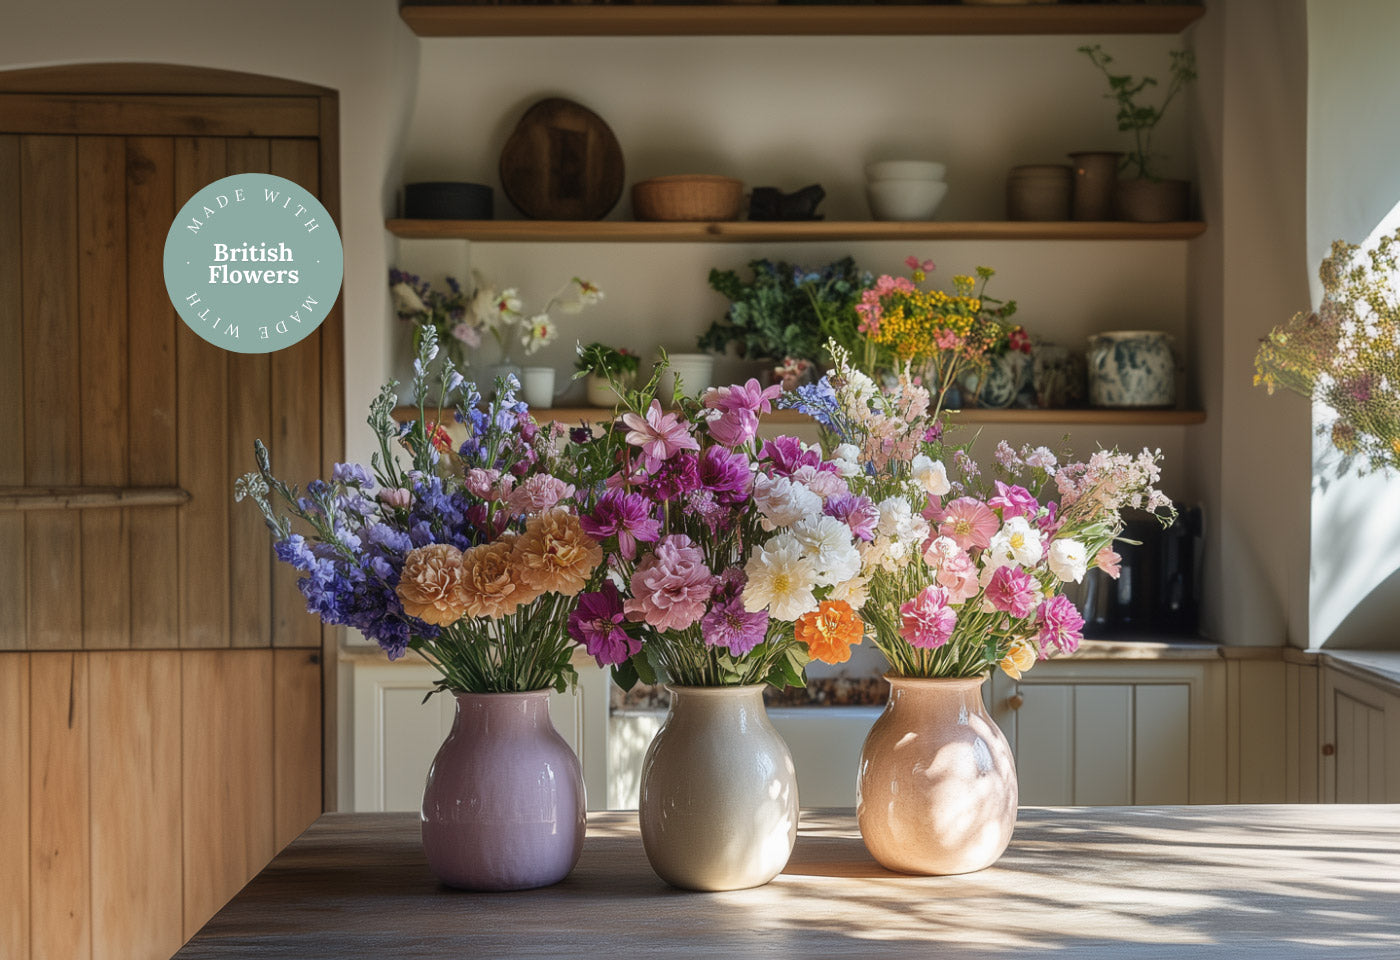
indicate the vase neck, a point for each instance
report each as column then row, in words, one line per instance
column 478, row 711
column 961, row 695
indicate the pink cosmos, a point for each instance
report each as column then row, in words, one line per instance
column 752, row 396
column 1012, row 591
column 1014, row 501
column 624, row 515
column 671, row 588
column 734, row 428
column 969, row 522
column 1060, row 625
column 660, row 435
column 1108, row 560
column 537, row 494
column 927, row 621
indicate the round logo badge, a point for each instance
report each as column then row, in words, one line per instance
column 253, row 263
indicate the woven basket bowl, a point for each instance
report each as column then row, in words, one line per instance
column 688, row 197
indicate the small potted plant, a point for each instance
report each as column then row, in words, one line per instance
column 1142, row 196
column 606, row 369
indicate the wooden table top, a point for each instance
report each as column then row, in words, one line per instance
column 1102, row 882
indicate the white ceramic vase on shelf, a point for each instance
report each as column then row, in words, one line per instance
column 693, row 370
column 601, row 392
column 718, row 805
column 537, row 386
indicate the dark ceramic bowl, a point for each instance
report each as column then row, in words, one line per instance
column 447, row 201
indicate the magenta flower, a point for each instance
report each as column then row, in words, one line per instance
column 1060, row 625
column 969, row 521
column 1014, row 501
column 729, row 625
column 787, row 455
column 734, row 428
column 660, row 435
column 673, row 479
column 752, row 396
column 671, row 587
column 624, row 515
column 597, row 624
column 1012, row 591
column 857, row 512
column 927, row 621
column 726, row 475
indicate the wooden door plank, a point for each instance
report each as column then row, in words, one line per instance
column 1347, row 775
column 296, row 757
column 226, row 775
column 150, row 199
column 202, row 425
column 52, row 418
column 14, row 805
column 170, row 116
column 1045, row 743
column 136, row 865
column 106, row 597
column 1161, row 743
column 13, row 615
column 295, row 443
column 249, row 379
column 59, row 812
column 1103, row 746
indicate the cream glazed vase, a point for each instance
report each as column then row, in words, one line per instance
column 718, row 806
column 937, row 786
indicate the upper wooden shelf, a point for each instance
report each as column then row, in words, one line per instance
column 1121, row 418
column 648, row 20
column 756, row 231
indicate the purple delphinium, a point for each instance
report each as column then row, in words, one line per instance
column 597, row 624
column 624, row 515
column 726, row 475
column 857, row 512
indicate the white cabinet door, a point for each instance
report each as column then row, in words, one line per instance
column 1361, row 726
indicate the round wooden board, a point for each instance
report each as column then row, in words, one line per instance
column 562, row 162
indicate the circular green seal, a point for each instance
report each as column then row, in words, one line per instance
column 253, row 263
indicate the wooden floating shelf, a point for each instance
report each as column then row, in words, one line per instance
column 90, row 498
column 1121, row 418
column 750, row 231
column 648, row 20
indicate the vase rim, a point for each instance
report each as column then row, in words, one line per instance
column 977, row 681
column 508, row 695
column 715, row 691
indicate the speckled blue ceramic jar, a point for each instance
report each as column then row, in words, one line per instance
column 998, row 385
column 1131, row 368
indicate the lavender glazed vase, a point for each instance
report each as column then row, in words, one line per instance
column 937, row 787
column 504, row 805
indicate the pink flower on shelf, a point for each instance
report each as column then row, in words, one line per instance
column 659, row 435
column 914, row 263
column 1014, row 501
column 947, row 340
column 969, row 522
column 751, row 396
column 671, row 587
column 927, row 621
column 1012, row 591
column 1060, row 625
column 1109, row 562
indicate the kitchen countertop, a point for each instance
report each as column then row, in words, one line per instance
column 1100, row 882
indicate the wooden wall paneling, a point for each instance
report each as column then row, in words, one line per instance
column 226, row 774
column 1351, row 772
column 296, row 743
column 52, row 418
column 1044, row 739
column 59, row 810
column 150, row 199
column 13, row 614
column 249, row 389
column 160, row 115
column 1392, row 749
column 202, row 424
column 106, row 558
column 295, row 444
column 1209, row 726
column 1375, row 756
column 1103, row 744
column 1161, row 743
column 14, row 805
column 1301, row 742
column 1260, row 716
column 135, row 746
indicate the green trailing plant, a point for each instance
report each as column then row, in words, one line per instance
column 1141, row 119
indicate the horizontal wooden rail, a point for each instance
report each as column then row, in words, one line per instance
column 90, row 498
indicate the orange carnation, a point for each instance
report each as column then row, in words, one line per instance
column 830, row 631
column 554, row 555
column 489, row 584
column 430, row 586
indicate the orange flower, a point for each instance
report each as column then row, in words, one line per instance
column 440, row 438
column 830, row 630
column 489, row 585
column 430, row 586
column 1020, row 658
column 554, row 555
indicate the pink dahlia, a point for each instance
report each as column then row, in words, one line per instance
column 970, row 523
column 1060, row 625
column 1012, row 591
column 927, row 621
column 537, row 494
column 671, row 587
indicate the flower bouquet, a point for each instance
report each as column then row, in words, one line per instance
column 728, row 559
column 470, row 556
column 958, row 578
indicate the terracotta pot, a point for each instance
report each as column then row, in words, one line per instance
column 937, row 785
column 1038, row 191
column 718, row 806
column 504, row 805
column 1151, row 201
column 1095, row 177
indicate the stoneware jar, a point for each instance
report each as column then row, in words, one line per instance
column 718, row 806
column 504, row 805
column 937, row 785
column 998, row 384
column 1131, row 368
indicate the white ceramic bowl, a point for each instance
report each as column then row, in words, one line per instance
column 905, row 199
column 905, row 170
